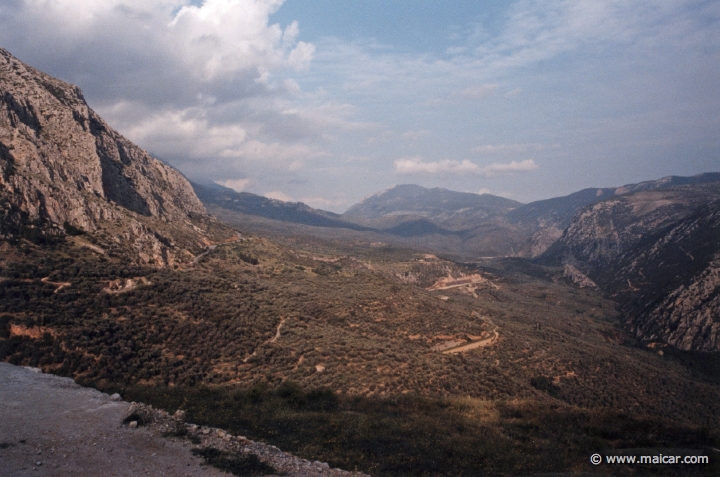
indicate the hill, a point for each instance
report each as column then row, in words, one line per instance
column 655, row 251
column 64, row 171
column 246, row 203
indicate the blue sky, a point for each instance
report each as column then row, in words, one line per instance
column 327, row 102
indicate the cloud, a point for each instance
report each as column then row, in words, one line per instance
column 278, row 195
column 414, row 165
column 508, row 148
column 511, row 167
column 315, row 202
column 415, row 134
column 480, row 91
column 507, row 195
column 238, row 185
column 326, row 204
column 162, row 51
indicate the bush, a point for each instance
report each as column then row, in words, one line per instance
column 322, row 399
column 545, row 384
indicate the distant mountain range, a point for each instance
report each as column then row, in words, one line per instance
column 458, row 224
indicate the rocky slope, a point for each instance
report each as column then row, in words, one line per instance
column 657, row 252
column 547, row 219
column 670, row 283
column 61, row 164
column 600, row 232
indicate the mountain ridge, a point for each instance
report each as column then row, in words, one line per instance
column 62, row 167
column 657, row 252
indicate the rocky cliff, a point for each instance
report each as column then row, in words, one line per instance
column 670, row 282
column 600, row 232
column 63, row 168
column 658, row 253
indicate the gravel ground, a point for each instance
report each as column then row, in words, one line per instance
column 50, row 426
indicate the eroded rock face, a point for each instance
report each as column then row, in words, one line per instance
column 658, row 254
column 677, row 283
column 61, row 163
column 689, row 318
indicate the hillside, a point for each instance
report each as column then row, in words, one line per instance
column 64, row 171
column 654, row 251
column 670, row 282
column 246, row 203
column 435, row 204
column 251, row 318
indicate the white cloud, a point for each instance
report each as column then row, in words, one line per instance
column 289, row 155
column 238, row 185
column 278, row 195
column 507, row 148
column 415, row 165
column 219, row 41
column 511, row 167
column 480, row 91
column 415, row 134
column 325, row 204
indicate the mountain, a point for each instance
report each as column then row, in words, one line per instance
column 670, row 282
column 656, row 251
column 63, row 170
column 547, row 219
column 252, row 204
column 600, row 232
column 438, row 205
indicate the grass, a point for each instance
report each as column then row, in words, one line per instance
column 413, row 435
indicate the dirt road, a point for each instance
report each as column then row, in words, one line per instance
column 50, row 426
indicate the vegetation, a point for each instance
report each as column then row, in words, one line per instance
column 413, row 435
column 334, row 355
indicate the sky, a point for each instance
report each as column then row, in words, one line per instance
column 327, row 102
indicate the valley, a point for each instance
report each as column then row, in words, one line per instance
column 424, row 332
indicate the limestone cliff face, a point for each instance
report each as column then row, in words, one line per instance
column 60, row 163
column 672, row 282
column 602, row 231
column 547, row 219
column 657, row 253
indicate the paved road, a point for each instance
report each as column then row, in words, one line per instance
column 74, row 431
